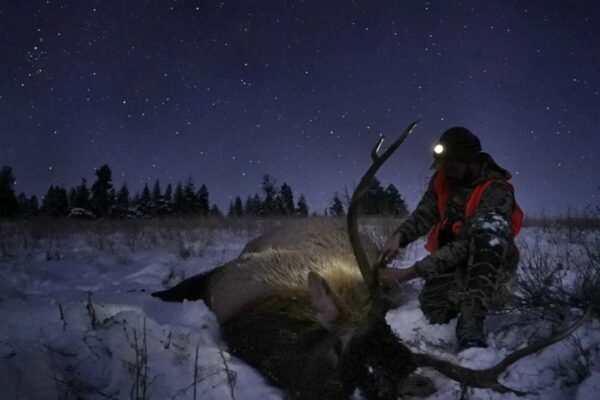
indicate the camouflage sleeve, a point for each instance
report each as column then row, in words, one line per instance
column 488, row 229
column 498, row 200
column 421, row 220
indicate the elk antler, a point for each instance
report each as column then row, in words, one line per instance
column 488, row 378
column 370, row 275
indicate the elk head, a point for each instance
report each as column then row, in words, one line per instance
column 367, row 356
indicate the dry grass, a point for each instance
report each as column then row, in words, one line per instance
column 47, row 233
column 586, row 221
column 172, row 232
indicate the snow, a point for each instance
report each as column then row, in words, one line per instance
column 78, row 320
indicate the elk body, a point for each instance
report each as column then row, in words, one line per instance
column 293, row 304
column 303, row 305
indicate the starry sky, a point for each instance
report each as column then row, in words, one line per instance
column 226, row 91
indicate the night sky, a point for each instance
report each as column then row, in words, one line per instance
column 226, row 91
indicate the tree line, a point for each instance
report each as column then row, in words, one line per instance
column 102, row 199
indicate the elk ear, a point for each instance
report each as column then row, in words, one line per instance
column 322, row 299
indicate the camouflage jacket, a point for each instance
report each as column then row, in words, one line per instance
column 497, row 204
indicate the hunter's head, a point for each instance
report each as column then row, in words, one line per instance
column 457, row 153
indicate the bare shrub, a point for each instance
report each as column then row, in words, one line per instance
column 559, row 271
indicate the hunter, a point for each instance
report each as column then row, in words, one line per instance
column 470, row 213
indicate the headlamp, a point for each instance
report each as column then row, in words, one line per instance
column 438, row 149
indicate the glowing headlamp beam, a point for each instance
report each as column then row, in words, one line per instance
column 438, row 149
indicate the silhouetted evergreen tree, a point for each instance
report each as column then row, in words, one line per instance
column 395, row 204
column 253, row 206
column 8, row 200
column 72, row 197
column 238, row 207
column 202, row 200
column 269, row 189
column 179, row 199
column 189, row 198
column 214, row 211
column 159, row 203
column 374, row 201
column 34, row 204
column 380, row 201
column 285, row 200
column 156, row 192
column 79, row 197
column 101, row 192
column 302, row 207
column 27, row 207
column 168, row 195
column 336, row 208
column 123, row 197
column 145, row 201
column 55, row 202
column 122, row 202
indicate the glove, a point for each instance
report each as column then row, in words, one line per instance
column 390, row 248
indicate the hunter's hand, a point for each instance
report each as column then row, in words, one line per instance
column 396, row 275
column 390, row 249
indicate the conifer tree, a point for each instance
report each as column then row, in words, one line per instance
column 156, row 192
column 8, row 200
column 285, row 200
column 101, row 191
column 160, row 204
column 374, row 200
column 144, row 202
column 79, row 197
column 214, row 211
column 238, row 208
column 248, row 206
column 202, row 199
column 269, row 188
column 336, row 208
column 34, row 204
column 189, row 198
column 302, row 207
column 254, row 206
column 168, row 195
column 395, row 204
column 179, row 199
column 145, row 197
column 28, row 207
column 123, row 197
column 122, row 202
column 55, row 202
column 73, row 198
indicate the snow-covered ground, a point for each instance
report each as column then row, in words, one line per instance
column 77, row 321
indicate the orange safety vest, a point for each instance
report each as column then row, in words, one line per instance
column 442, row 187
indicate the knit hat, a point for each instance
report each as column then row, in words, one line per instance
column 456, row 144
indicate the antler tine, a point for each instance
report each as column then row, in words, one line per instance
column 375, row 151
column 488, row 378
column 366, row 271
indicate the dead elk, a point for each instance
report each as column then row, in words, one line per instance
column 304, row 306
